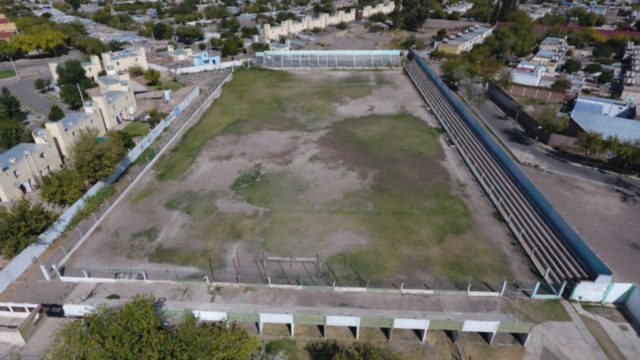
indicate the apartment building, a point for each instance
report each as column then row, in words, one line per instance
column 113, row 63
column 64, row 132
column 116, row 102
column 631, row 83
column 527, row 73
column 23, row 167
column 551, row 53
column 465, row 40
column 120, row 61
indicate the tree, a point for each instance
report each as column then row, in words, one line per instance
column 63, row 187
column 21, row 225
column 41, row 84
column 503, row 9
column 189, row 34
column 342, row 26
column 377, row 17
column 571, row 66
column 9, row 105
column 162, row 31
column 231, row 24
column 593, row 68
column 590, row 142
column 71, row 96
column 561, row 85
column 136, row 71
column 95, row 160
column 232, row 46
column 248, row 32
column 258, row 47
column 606, row 77
column 75, row 4
column 71, row 75
column 135, row 331
column 72, row 72
column 548, row 119
column 440, row 35
column 152, row 76
column 55, row 113
column 358, row 351
column 12, row 133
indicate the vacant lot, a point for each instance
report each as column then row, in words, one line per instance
column 339, row 165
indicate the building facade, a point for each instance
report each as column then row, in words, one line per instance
column 23, row 167
column 120, row 61
column 527, row 73
column 64, row 132
column 465, row 41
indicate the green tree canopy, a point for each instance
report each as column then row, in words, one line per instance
column 590, row 142
column 136, row 331
column 547, row 117
column 21, row 225
column 232, row 45
column 12, row 133
column 63, row 187
column 95, row 160
column 10, row 107
column 571, row 66
column 152, row 76
column 189, row 34
column 162, row 31
column 55, row 113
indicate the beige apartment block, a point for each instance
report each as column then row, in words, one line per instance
column 116, row 103
column 120, row 61
column 64, row 132
column 23, row 167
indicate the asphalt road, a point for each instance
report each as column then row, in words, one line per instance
column 23, row 87
column 529, row 152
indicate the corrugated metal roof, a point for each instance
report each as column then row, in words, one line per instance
column 608, row 126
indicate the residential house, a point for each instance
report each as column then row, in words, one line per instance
column 551, row 53
column 23, row 167
column 116, row 102
column 527, row 73
column 120, row 61
column 64, row 132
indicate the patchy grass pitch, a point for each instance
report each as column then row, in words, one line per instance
column 333, row 164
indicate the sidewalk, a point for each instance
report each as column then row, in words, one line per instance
column 565, row 340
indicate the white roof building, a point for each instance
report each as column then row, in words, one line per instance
column 527, row 73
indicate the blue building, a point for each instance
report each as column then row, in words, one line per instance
column 203, row 58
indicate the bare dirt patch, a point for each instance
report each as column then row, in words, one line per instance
column 332, row 164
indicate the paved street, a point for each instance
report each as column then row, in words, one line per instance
column 23, row 88
column 522, row 148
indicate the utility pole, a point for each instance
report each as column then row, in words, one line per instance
column 14, row 68
column 80, row 91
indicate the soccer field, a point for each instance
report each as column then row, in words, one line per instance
column 338, row 166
